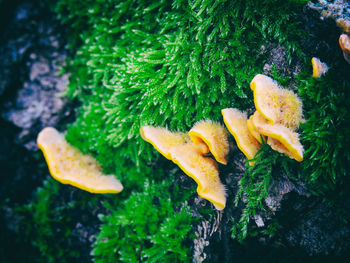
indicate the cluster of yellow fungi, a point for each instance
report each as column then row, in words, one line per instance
column 275, row 121
column 278, row 115
column 191, row 152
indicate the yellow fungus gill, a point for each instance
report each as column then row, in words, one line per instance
column 69, row 166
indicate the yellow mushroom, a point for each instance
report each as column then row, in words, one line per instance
column 318, row 68
column 203, row 170
column 162, row 139
column 286, row 137
column 236, row 123
column 266, row 97
column 69, row 166
column 214, row 136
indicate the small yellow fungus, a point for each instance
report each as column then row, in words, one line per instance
column 69, row 166
column 203, row 170
column 162, row 139
column 288, row 138
column 266, row 97
column 318, row 68
column 291, row 109
column 214, row 136
column 236, row 123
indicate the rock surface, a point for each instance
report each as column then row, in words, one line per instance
column 33, row 53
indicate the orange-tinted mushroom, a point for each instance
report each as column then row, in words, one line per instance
column 286, row 137
column 162, row 139
column 266, row 97
column 203, row 170
column 69, row 166
column 236, row 123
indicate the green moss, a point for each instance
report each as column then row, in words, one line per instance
column 150, row 226
column 325, row 134
column 172, row 63
column 50, row 222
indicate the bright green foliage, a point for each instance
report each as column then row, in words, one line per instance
column 147, row 227
column 165, row 63
column 325, row 134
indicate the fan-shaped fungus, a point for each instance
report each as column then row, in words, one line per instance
column 236, row 123
column 162, row 139
column 266, row 97
column 69, row 166
column 203, row 170
column 288, row 138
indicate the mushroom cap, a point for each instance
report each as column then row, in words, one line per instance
column 288, row 138
column 203, row 170
column 69, row 166
column 266, row 97
column 214, row 136
column 162, row 139
column 236, row 123
column 318, row 68
column 291, row 109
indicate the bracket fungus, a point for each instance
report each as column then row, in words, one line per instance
column 236, row 123
column 282, row 136
column 191, row 157
column 69, row 166
column 162, row 139
column 278, row 115
column 276, row 104
column 266, row 97
column 203, row 170
column 318, row 68
column 214, row 136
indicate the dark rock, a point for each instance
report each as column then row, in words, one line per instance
column 30, row 74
